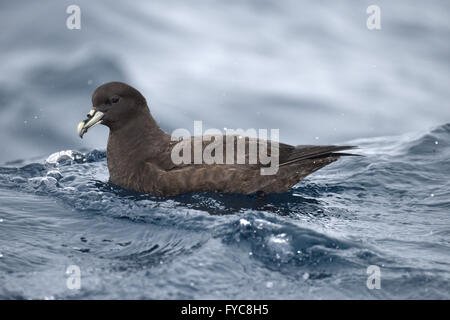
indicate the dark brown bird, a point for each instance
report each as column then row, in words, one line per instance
column 140, row 154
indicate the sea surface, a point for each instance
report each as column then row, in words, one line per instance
column 311, row 69
column 389, row 209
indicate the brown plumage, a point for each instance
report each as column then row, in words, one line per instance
column 139, row 153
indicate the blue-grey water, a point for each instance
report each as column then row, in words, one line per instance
column 310, row 68
column 389, row 208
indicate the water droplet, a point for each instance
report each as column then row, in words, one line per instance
column 244, row 222
column 436, row 142
column 269, row 284
column 306, row 276
column 432, row 195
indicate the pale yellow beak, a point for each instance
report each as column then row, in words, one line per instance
column 94, row 117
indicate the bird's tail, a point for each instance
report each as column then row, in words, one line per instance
column 309, row 152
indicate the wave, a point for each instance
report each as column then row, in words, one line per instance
column 327, row 227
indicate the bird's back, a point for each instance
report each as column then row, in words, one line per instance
column 227, row 170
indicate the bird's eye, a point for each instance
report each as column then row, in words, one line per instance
column 115, row 99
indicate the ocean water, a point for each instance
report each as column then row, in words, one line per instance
column 309, row 68
column 388, row 208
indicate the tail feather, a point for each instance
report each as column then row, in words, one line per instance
column 300, row 153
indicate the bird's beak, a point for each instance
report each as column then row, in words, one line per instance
column 94, row 117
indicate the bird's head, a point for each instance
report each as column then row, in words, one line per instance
column 114, row 104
